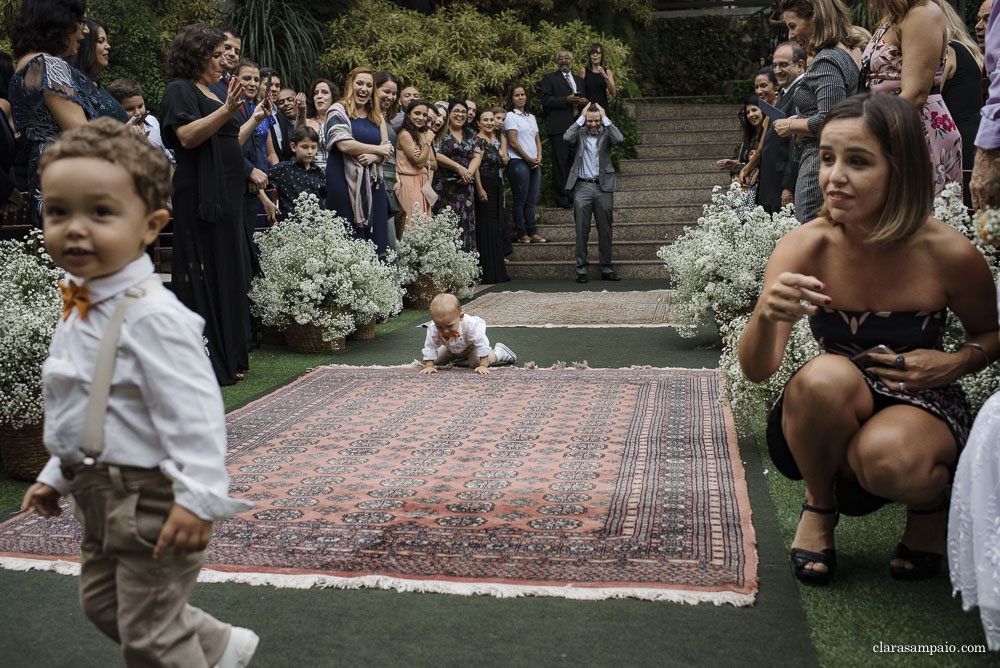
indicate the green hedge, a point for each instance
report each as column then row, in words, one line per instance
column 697, row 56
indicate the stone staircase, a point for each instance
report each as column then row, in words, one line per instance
column 658, row 194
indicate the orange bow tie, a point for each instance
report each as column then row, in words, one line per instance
column 74, row 295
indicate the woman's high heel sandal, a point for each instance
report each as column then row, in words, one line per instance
column 925, row 564
column 828, row 557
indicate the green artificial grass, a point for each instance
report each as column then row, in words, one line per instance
column 274, row 366
column 864, row 606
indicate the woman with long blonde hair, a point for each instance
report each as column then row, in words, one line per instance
column 357, row 141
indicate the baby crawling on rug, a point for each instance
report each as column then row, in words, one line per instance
column 453, row 335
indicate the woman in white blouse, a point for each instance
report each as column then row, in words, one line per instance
column 524, row 150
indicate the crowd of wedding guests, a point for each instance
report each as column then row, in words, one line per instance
column 244, row 146
column 827, row 59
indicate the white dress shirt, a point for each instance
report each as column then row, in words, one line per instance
column 527, row 128
column 165, row 409
column 590, row 165
column 570, row 80
column 476, row 327
column 152, row 127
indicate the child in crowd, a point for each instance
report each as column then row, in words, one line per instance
column 298, row 175
column 144, row 457
column 129, row 94
column 452, row 335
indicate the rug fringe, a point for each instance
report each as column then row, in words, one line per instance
column 496, row 590
column 283, row 581
column 558, row 365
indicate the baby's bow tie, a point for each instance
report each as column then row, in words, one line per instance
column 74, row 295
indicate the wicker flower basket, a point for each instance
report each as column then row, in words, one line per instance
column 23, row 451
column 420, row 293
column 308, row 338
column 272, row 336
column 363, row 331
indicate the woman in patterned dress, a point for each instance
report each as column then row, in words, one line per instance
column 458, row 158
column 47, row 95
column 920, row 25
column 91, row 58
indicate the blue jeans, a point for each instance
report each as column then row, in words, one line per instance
column 524, row 184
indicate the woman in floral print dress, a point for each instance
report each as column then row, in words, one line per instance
column 458, row 158
column 921, row 24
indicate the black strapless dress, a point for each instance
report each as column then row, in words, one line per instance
column 848, row 333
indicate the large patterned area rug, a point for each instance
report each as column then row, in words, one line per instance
column 651, row 308
column 574, row 483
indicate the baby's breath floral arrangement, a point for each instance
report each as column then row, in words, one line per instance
column 30, row 307
column 718, row 265
column 950, row 208
column 431, row 246
column 314, row 273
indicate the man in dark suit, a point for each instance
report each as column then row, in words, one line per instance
column 593, row 184
column 562, row 101
column 779, row 165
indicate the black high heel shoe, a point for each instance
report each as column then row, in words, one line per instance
column 828, row 557
column 925, row 564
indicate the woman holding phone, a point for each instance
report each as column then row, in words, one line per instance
column 864, row 425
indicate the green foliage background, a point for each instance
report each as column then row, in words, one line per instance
column 699, row 55
column 460, row 51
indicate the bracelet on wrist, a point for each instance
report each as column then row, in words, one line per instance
column 978, row 347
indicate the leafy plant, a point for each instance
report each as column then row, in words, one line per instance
column 313, row 272
column 30, row 306
column 432, row 246
column 281, row 34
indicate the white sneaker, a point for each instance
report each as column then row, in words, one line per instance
column 240, row 648
column 504, row 354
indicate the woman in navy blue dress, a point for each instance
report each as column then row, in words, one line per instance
column 358, row 142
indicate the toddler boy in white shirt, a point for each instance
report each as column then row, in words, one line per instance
column 453, row 335
column 147, row 469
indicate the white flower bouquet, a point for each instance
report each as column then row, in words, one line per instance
column 315, row 273
column 431, row 247
column 30, row 307
column 718, row 265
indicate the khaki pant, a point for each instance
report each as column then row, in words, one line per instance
column 137, row 601
column 445, row 356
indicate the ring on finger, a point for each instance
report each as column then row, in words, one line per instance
column 900, row 363
column 902, row 386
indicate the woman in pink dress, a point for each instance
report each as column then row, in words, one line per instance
column 414, row 156
column 919, row 28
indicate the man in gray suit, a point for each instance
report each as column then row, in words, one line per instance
column 593, row 184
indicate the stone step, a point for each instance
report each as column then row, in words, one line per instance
column 665, row 195
column 671, row 166
column 630, row 182
column 659, row 232
column 713, row 150
column 686, row 213
column 566, row 250
column 689, row 125
column 674, row 138
column 645, row 112
column 626, row 269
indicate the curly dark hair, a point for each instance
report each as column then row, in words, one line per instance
column 191, row 50
column 44, row 25
column 85, row 59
